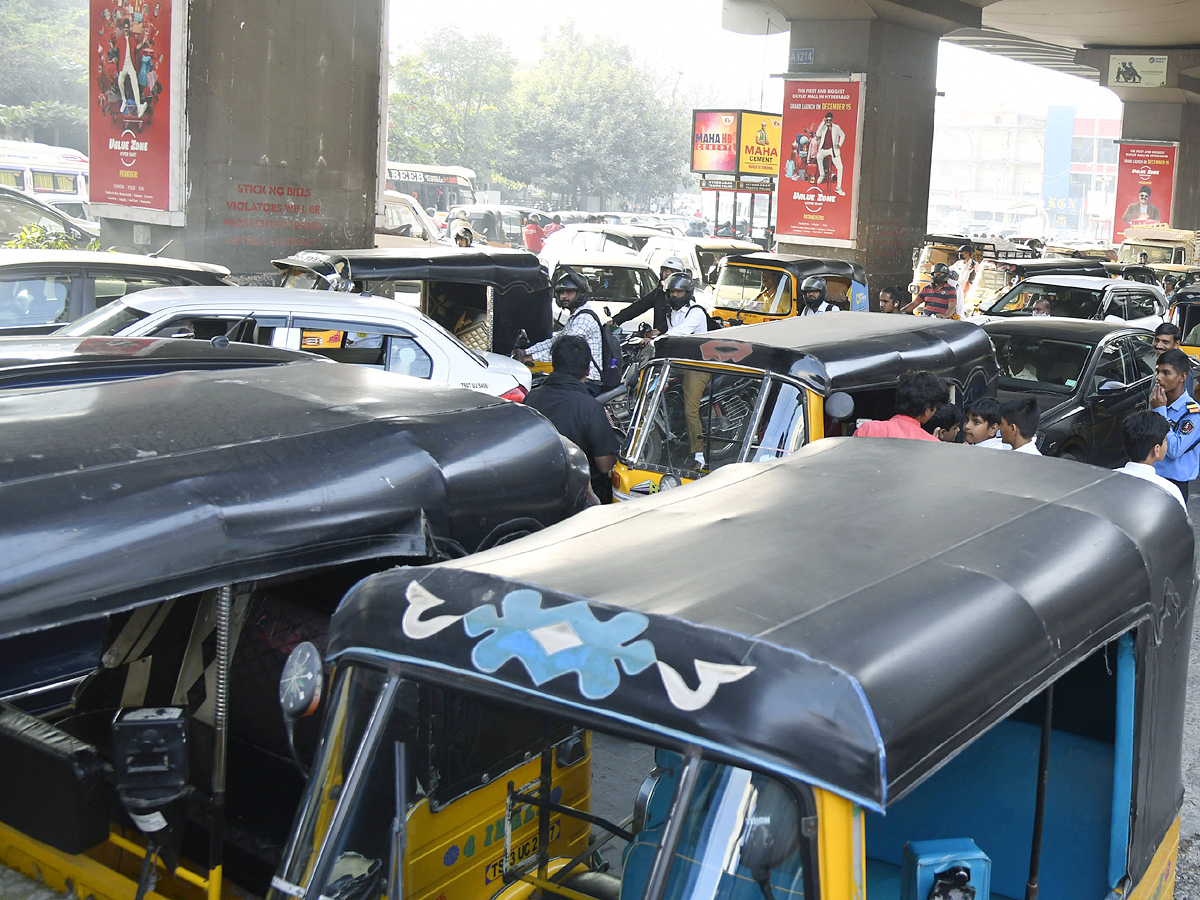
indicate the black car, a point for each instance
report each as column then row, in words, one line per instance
column 1086, row 376
column 40, row 290
column 18, row 210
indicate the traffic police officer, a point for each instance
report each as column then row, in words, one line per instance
column 1170, row 399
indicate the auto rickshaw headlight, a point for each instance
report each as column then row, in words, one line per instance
column 839, row 406
column 667, row 482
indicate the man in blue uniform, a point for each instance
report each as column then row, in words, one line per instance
column 1170, row 399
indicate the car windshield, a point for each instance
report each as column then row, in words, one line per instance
column 1040, row 365
column 1156, row 254
column 686, row 409
column 112, row 318
column 752, row 289
column 466, row 760
column 1056, row 300
column 710, row 258
column 621, row 284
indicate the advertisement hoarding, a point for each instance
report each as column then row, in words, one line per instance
column 1145, row 185
column 758, row 147
column 714, row 140
column 134, row 64
column 1137, row 71
column 819, row 160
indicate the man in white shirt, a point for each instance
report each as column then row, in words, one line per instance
column 829, row 138
column 686, row 316
column 1144, row 435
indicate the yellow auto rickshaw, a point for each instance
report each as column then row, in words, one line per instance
column 765, row 287
column 759, row 392
column 807, row 679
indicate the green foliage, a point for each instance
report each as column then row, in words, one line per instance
column 586, row 120
column 449, row 100
column 36, row 237
column 44, row 56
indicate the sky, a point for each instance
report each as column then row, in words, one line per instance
column 682, row 40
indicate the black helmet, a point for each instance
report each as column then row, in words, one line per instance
column 940, row 273
column 570, row 280
column 966, row 248
column 813, row 283
column 680, row 281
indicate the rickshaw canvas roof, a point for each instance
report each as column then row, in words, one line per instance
column 800, row 267
column 501, row 268
column 846, row 350
column 122, row 493
column 819, row 616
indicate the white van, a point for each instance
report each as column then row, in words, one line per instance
column 58, row 176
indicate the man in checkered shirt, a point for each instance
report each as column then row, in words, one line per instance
column 570, row 293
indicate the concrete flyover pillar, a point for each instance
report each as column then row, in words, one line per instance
column 1162, row 103
column 274, row 137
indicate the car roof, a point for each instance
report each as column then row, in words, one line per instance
column 270, row 300
column 847, row 623
column 615, row 260
column 1062, row 328
column 102, row 257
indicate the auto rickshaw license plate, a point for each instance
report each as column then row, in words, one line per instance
column 519, row 853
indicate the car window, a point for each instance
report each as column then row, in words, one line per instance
column 402, row 221
column 617, row 243
column 1028, row 363
column 1140, row 304
column 205, row 327
column 1110, row 367
column 112, row 286
column 343, row 342
column 1070, row 303
column 33, row 300
column 1143, row 358
column 15, row 215
column 589, row 240
column 615, row 283
column 407, row 357
column 1114, row 305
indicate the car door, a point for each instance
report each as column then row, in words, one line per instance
column 1119, row 385
column 1143, row 308
column 385, row 346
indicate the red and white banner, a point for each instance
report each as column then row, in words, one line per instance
column 1145, row 186
column 818, row 170
column 130, row 129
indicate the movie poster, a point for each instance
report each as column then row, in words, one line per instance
column 130, row 121
column 1145, row 186
column 714, row 140
column 818, row 170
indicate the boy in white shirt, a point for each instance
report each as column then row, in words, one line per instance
column 686, row 316
column 982, row 425
column 1018, row 424
column 1144, row 435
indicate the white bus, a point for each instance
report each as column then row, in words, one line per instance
column 57, row 176
column 439, row 187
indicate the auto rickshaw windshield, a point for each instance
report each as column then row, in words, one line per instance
column 474, row 758
column 727, row 416
column 753, row 289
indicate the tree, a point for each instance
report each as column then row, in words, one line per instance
column 588, row 120
column 45, row 52
column 449, row 101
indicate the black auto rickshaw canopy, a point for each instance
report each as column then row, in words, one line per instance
column 846, row 352
column 800, row 267
column 500, row 290
column 121, row 493
column 849, row 617
column 1028, row 268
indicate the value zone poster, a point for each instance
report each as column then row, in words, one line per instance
column 1145, row 186
column 818, row 170
column 130, row 121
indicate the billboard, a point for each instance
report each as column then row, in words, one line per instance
column 132, row 74
column 1137, row 71
column 714, row 140
column 819, row 162
column 758, row 147
column 1145, row 185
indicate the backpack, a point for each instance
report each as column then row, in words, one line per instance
column 610, row 370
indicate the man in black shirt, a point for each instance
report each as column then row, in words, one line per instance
column 564, row 399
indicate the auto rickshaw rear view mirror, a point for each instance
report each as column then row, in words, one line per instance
column 301, row 682
column 839, row 405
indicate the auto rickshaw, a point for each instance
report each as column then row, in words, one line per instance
column 1185, row 312
column 971, row 687
column 762, row 391
column 210, row 523
column 764, row 287
column 482, row 295
column 1132, row 272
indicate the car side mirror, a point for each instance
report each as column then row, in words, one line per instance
column 1109, row 387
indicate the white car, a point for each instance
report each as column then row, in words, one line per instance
column 405, row 224
column 614, row 281
column 362, row 329
column 575, row 239
column 1081, row 297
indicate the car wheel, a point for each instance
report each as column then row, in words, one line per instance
column 1075, row 454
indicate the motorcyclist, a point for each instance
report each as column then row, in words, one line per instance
column 687, row 316
column 813, row 291
column 940, row 296
column 571, row 294
column 463, row 235
column 655, row 299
